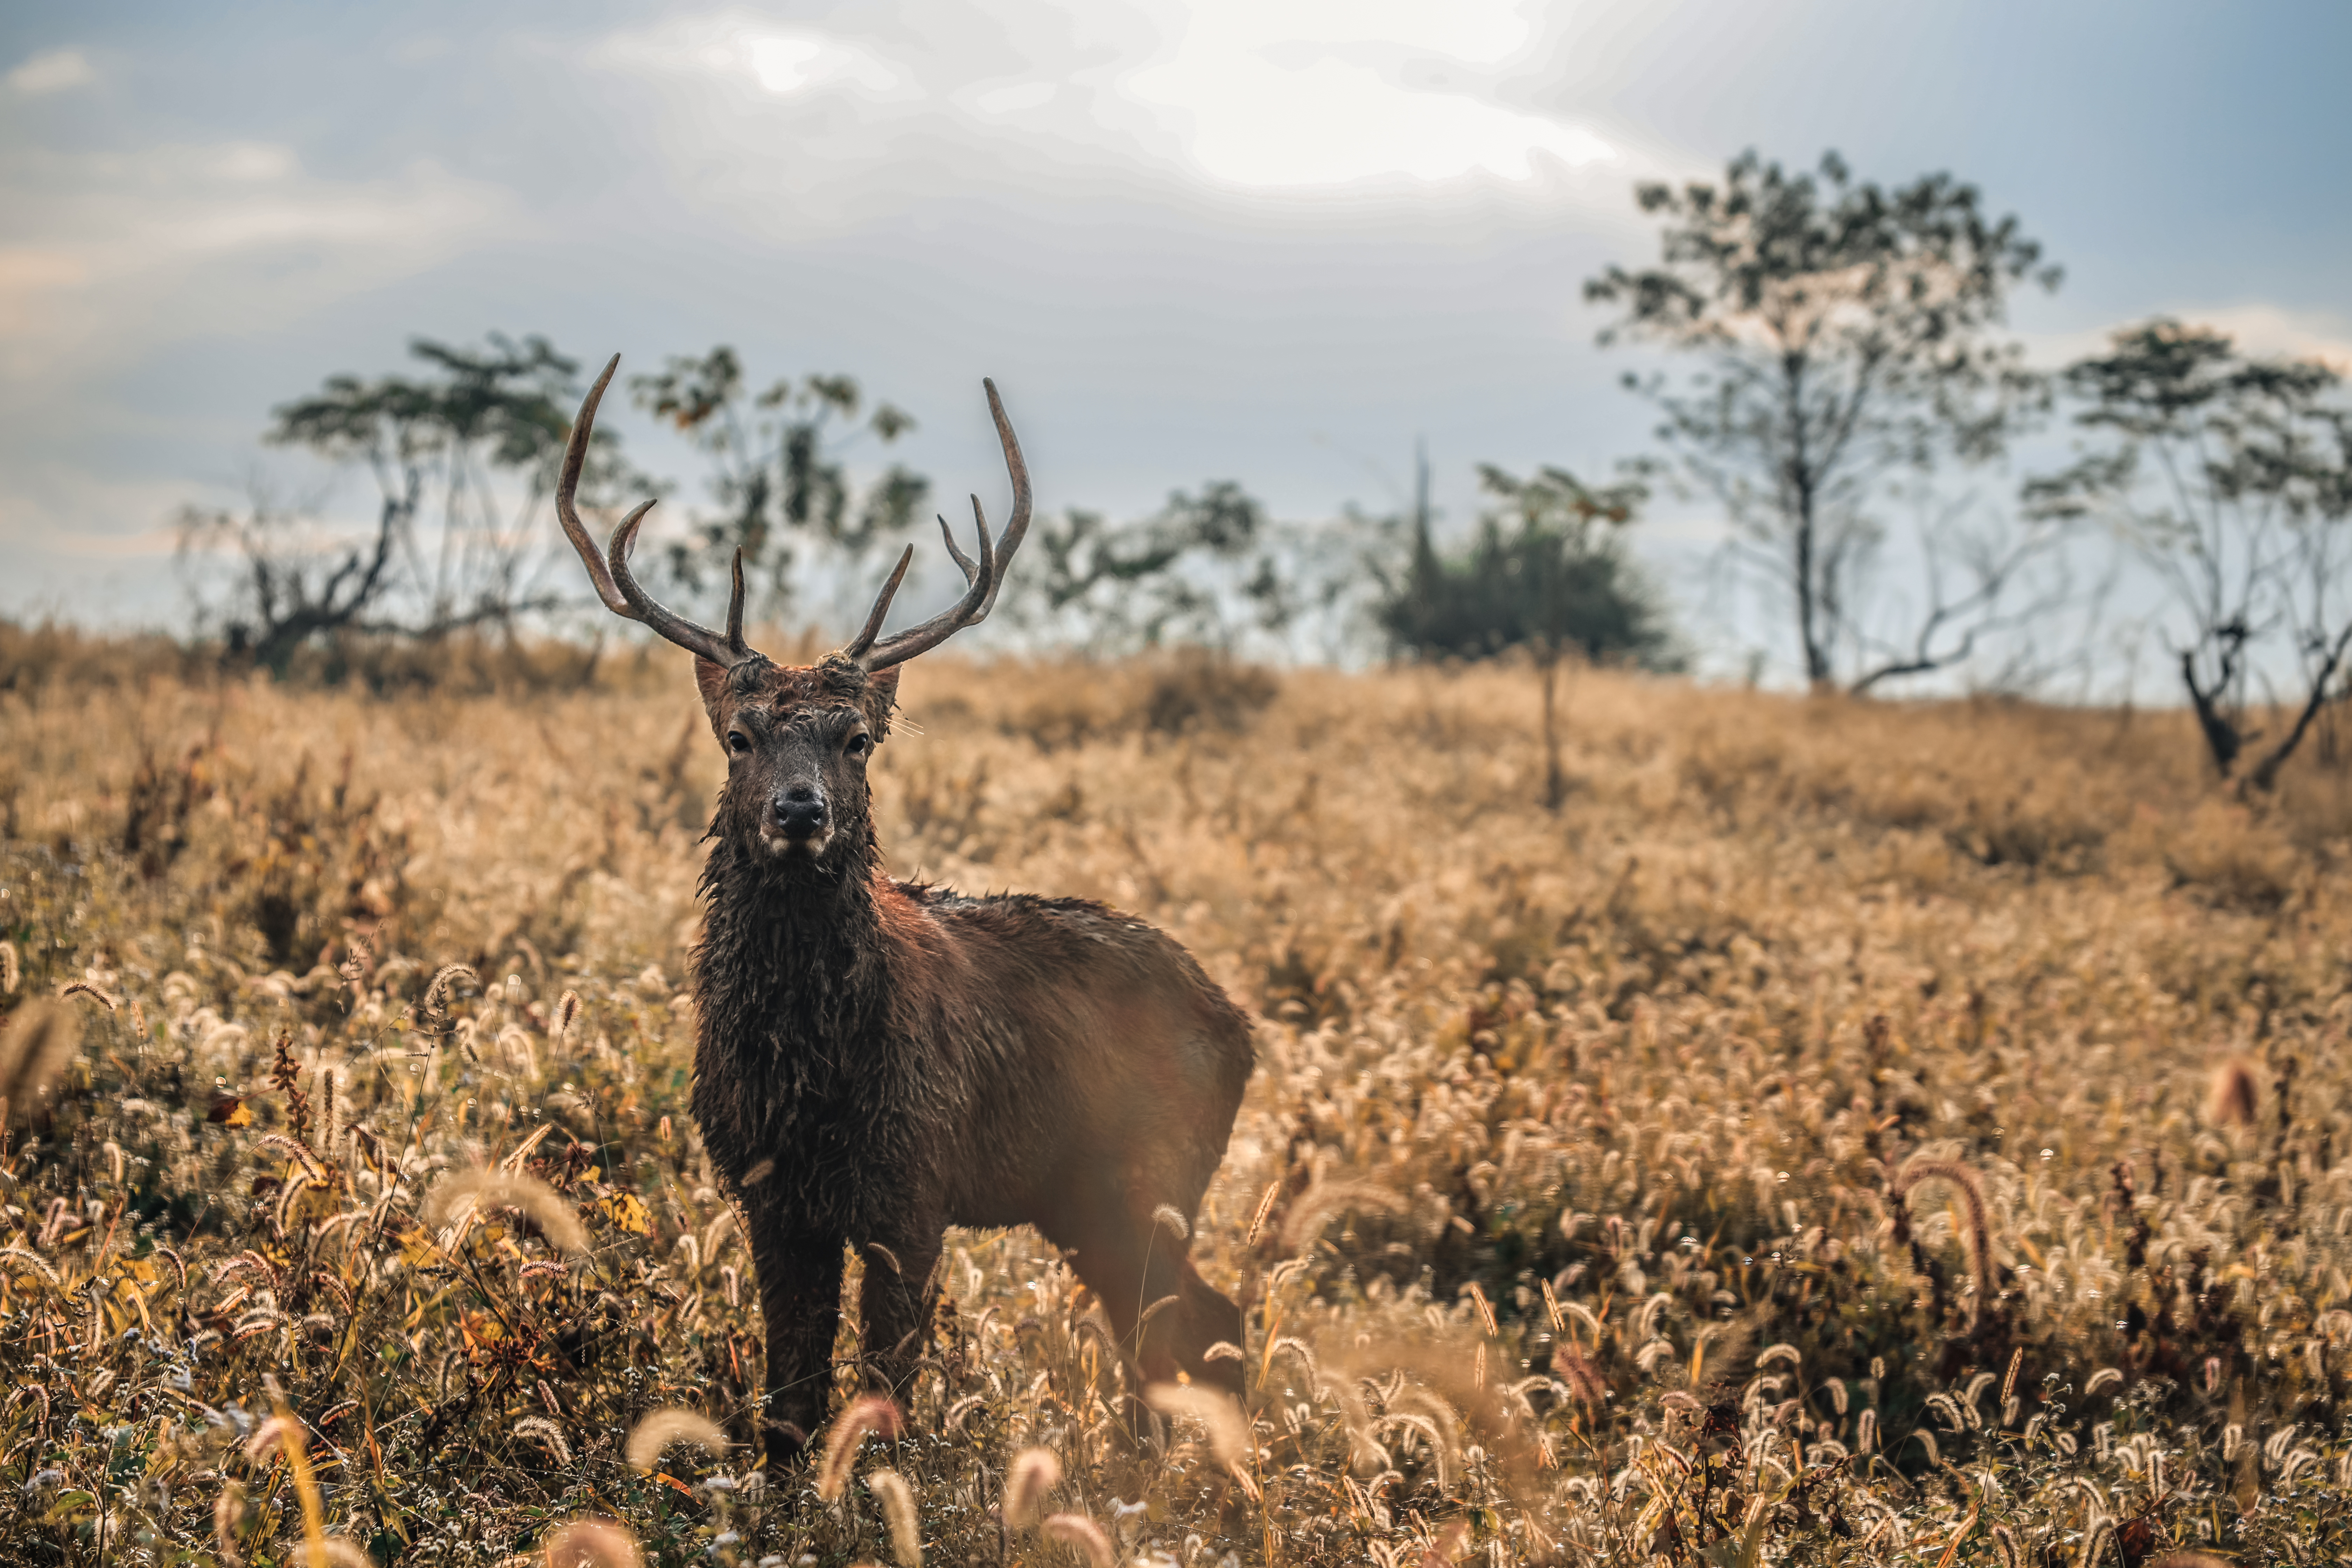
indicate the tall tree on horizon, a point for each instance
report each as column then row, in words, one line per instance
column 2231, row 478
column 1849, row 338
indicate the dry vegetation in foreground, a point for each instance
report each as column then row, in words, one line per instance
column 1840, row 1133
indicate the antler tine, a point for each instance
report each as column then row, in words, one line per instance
column 865, row 639
column 699, row 641
column 735, row 644
column 1016, row 527
column 610, row 571
column 575, row 454
column 948, row 622
column 983, row 577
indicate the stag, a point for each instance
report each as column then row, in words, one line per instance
column 879, row 1060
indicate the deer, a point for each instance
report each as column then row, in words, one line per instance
column 877, row 1059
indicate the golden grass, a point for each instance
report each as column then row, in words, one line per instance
column 1861, row 1133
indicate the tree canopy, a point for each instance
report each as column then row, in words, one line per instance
column 1847, row 332
column 780, row 470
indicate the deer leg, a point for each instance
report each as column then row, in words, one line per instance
column 1165, row 1315
column 800, row 1303
column 895, row 1304
column 1211, row 1320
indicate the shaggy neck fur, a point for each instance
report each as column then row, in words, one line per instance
column 793, row 983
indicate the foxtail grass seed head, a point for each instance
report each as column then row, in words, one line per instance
column 2235, row 1099
column 84, row 988
column 1264, row 1208
column 1971, row 1188
column 592, row 1543
column 444, row 982
column 36, row 1042
column 1033, row 1474
column 488, row 1188
column 18, row 1259
column 1326, row 1201
column 280, row 1434
column 898, row 1500
column 567, row 1013
column 543, row 1430
column 657, row 1431
column 1166, row 1218
column 228, row 1515
column 869, row 1413
column 11, row 970
column 1440, row 1421
column 1215, row 1412
column 1080, row 1531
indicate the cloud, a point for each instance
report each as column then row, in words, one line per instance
column 1275, row 93
column 2270, row 331
column 742, row 47
column 2260, row 328
column 787, row 64
column 141, row 248
column 55, row 71
column 1297, row 96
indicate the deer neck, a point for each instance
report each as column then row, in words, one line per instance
column 794, row 960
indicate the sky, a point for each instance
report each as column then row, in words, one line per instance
column 1278, row 241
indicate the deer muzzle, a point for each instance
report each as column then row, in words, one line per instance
column 797, row 821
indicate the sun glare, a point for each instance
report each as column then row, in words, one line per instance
column 1314, row 93
column 786, row 65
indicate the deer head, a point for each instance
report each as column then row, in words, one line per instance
column 797, row 736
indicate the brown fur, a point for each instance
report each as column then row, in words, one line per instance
column 880, row 1059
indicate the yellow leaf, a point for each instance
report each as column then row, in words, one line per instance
column 315, row 1202
column 626, row 1211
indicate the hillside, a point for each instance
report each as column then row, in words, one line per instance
column 1839, row 1126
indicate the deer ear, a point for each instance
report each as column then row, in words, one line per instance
column 712, row 681
column 884, row 684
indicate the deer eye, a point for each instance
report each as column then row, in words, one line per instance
column 738, row 742
column 857, row 745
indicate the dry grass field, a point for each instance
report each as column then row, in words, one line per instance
column 1840, row 1133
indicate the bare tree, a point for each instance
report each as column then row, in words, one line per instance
column 1983, row 582
column 2232, row 479
column 1848, row 335
column 293, row 581
column 462, row 456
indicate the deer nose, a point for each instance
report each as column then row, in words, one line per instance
column 799, row 811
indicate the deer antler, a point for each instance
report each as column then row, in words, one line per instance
column 983, row 577
column 615, row 584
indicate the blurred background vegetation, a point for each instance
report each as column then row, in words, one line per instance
column 1846, row 366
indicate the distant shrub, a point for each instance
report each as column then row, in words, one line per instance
column 1198, row 688
column 2231, row 859
column 1063, row 705
column 1545, row 570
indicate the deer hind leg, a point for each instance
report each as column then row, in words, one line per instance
column 1166, row 1317
column 894, row 1306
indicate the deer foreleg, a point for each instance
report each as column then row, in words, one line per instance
column 799, row 1301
